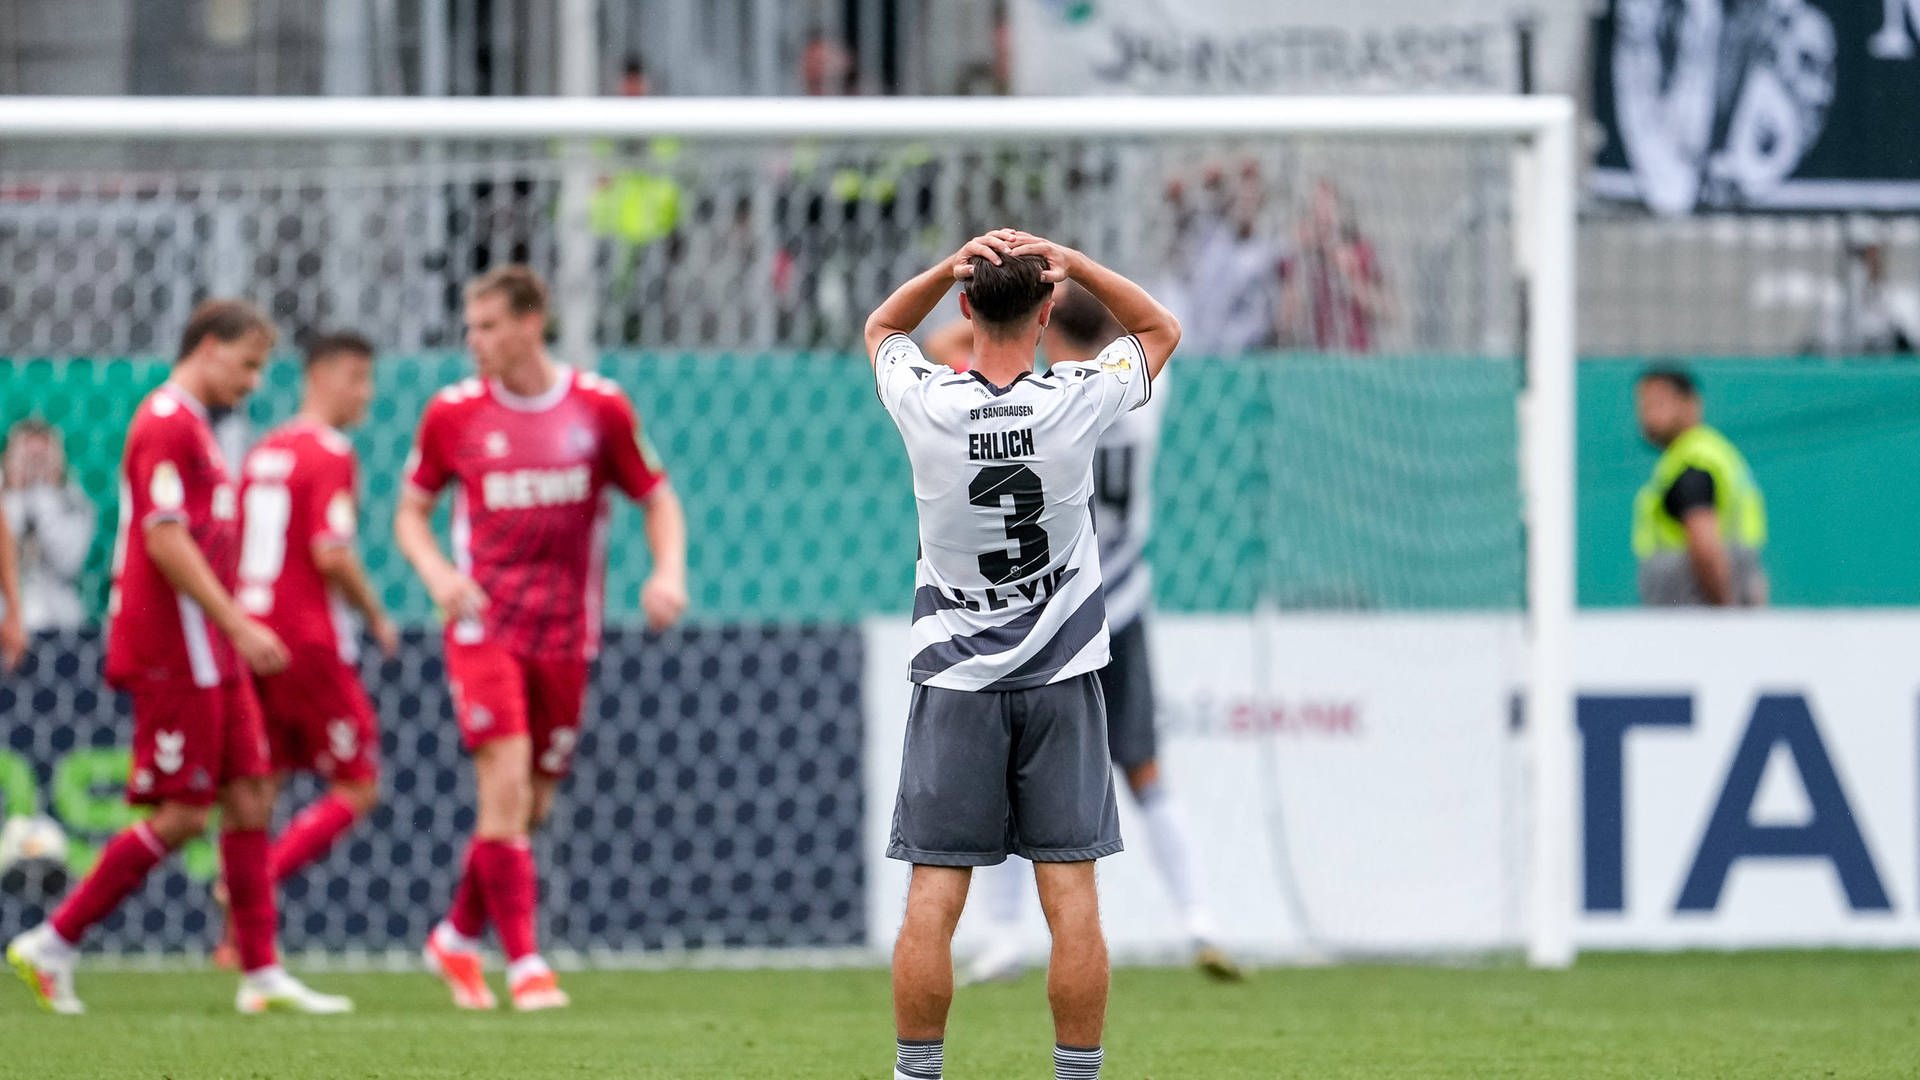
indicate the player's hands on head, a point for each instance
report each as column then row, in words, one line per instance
column 260, row 647
column 386, row 635
column 13, row 641
column 1058, row 256
column 663, row 599
column 991, row 246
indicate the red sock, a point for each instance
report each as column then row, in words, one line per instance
column 469, row 912
column 309, row 835
column 250, row 907
column 506, row 878
column 124, row 863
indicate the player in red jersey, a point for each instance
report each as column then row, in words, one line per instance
column 300, row 576
column 531, row 447
column 176, row 643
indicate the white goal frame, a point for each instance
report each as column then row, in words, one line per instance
column 1544, row 217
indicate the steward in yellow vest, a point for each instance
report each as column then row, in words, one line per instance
column 1700, row 522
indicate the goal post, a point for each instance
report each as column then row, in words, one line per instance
column 1542, row 183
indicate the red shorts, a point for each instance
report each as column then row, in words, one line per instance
column 497, row 695
column 189, row 741
column 319, row 718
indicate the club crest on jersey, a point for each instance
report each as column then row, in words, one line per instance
column 580, row 440
column 169, row 751
column 495, row 444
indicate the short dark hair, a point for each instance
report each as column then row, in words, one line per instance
column 526, row 294
column 1002, row 295
column 1084, row 320
column 1676, row 379
column 223, row 320
column 326, row 346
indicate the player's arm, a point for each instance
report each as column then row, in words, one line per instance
column 456, row 595
column 951, row 345
column 635, row 467
column 664, row 597
column 179, row 560
column 340, row 565
column 912, row 302
column 1137, row 312
column 13, row 628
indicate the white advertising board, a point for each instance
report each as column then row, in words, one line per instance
column 1355, row 784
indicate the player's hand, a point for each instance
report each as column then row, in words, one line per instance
column 457, row 596
column 385, row 635
column 260, row 647
column 990, row 246
column 1059, row 257
column 664, row 599
column 13, row 641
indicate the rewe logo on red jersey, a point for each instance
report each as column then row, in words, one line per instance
column 522, row 489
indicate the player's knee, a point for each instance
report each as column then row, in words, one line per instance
column 247, row 804
column 177, row 824
column 936, row 896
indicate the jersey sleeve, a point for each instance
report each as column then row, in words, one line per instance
column 1115, row 382
column 159, row 457
column 1691, row 490
column 631, row 463
column 898, row 367
column 429, row 466
column 330, row 500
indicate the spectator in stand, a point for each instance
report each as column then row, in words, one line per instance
column 1231, row 268
column 1860, row 316
column 52, row 522
column 826, row 66
column 1336, row 297
column 633, row 78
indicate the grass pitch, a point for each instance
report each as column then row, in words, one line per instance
column 1736, row 1015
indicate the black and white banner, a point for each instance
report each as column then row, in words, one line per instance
column 1759, row 104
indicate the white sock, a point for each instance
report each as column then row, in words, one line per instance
column 53, row 945
column 453, row 940
column 526, row 967
column 1172, row 854
column 266, row 976
column 1004, row 893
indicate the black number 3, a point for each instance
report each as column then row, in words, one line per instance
column 992, row 488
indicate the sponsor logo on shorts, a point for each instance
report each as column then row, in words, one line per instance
column 143, row 781
column 342, row 740
column 169, row 751
column 479, row 718
column 559, row 749
column 201, row 781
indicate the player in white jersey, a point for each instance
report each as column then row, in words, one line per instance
column 1006, row 741
column 1122, row 517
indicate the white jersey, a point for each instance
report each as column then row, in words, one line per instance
column 1123, row 507
column 1008, row 590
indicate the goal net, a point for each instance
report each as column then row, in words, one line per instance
column 1361, row 553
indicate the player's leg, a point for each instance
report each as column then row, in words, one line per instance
column 951, row 815
column 1127, row 684
column 175, row 760
column 923, row 969
column 1064, row 817
column 1077, row 974
column 246, row 812
column 330, row 730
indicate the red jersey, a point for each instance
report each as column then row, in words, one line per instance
column 296, row 495
column 171, row 470
column 529, row 506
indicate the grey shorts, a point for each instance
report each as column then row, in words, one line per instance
column 1128, row 683
column 987, row 774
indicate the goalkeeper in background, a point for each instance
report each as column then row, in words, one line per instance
column 1122, row 507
